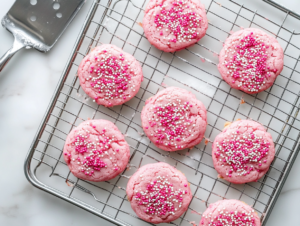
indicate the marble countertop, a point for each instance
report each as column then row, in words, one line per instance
column 26, row 87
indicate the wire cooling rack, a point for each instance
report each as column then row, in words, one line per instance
column 195, row 69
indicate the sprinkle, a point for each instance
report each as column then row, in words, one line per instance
column 182, row 24
column 92, row 151
column 232, row 218
column 171, row 122
column 159, row 197
column 110, row 77
column 247, row 63
column 241, row 151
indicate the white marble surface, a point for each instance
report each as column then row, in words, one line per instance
column 26, row 86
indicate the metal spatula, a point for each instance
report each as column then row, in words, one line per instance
column 38, row 23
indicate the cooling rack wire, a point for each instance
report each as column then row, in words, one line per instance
column 119, row 22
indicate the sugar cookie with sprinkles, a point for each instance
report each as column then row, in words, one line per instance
column 158, row 193
column 251, row 60
column 96, row 151
column 174, row 119
column 172, row 25
column 243, row 152
column 229, row 213
column 110, row 76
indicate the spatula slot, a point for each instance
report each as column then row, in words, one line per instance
column 33, row 18
column 59, row 15
column 33, row 2
column 56, row 6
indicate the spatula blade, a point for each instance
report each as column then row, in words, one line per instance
column 41, row 22
column 38, row 23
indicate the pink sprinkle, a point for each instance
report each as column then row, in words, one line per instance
column 119, row 74
column 183, row 25
column 244, row 65
column 239, row 155
column 159, row 197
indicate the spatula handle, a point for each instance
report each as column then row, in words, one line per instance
column 8, row 55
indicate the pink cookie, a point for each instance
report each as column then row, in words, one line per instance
column 96, row 151
column 243, row 152
column 229, row 213
column 110, row 76
column 158, row 193
column 172, row 25
column 174, row 119
column 251, row 60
